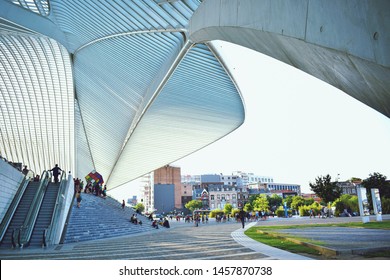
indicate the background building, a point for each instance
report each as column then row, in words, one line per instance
column 132, row 201
column 147, row 192
column 168, row 175
column 348, row 187
column 164, row 197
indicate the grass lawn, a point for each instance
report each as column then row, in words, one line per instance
column 259, row 233
column 278, row 242
column 370, row 225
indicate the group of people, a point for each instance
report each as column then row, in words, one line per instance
column 55, row 170
column 97, row 189
column 135, row 220
column 163, row 223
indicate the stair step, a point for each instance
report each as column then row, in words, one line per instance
column 99, row 218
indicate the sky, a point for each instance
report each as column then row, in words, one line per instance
column 296, row 128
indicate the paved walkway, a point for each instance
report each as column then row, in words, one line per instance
column 213, row 241
column 182, row 241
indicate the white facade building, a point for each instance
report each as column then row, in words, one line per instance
column 243, row 179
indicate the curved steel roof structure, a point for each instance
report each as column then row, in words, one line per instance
column 114, row 86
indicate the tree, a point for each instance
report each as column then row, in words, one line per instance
column 297, row 201
column 248, row 208
column 309, row 201
column 139, row 207
column 326, row 189
column 261, row 203
column 253, row 198
column 274, row 201
column 377, row 180
column 228, row 208
column 194, row 204
column 288, row 200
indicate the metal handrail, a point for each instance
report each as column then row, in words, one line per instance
column 44, row 244
column 13, row 206
column 13, row 239
column 63, row 235
column 29, row 222
column 53, row 227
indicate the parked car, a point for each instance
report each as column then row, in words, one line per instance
column 158, row 216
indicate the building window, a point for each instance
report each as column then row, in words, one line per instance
column 233, row 196
column 212, row 197
column 218, row 196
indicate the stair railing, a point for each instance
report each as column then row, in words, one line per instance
column 29, row 222
column 50, row 233
column 12, row 207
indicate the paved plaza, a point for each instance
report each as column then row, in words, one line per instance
column 212, row 241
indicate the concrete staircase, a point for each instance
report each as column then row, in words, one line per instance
column 99, row 218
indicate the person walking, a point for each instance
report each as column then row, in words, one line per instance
column 242, row 215
column 78, row 198
column 123, row 204
column 56, row 172
column 25, row 170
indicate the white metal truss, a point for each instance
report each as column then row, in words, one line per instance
column 124, row 94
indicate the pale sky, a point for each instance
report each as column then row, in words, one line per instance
column 296, row 128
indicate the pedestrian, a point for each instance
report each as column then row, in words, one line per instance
column 77, row 184
column 56, row 172
column 78, row 198
column 123, row 204
column 242, row 215
column 25, row 170
column 196, row 219
column 311, row 213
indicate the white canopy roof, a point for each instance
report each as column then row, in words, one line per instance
column 114, row 86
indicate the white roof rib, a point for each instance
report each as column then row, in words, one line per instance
column 36, row 102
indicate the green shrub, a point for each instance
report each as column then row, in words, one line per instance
column 304, row 210
column 215, row 212
column 385, row 205
column 280, row 212
column 346, row 201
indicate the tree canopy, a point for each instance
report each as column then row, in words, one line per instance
column 261, row 203
column 274, row 201
column 228, row 208
column 248, row 207
column 327, row 190
column 377, row 180
column 297, row 201
column 194, row 204
column 139, row 207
